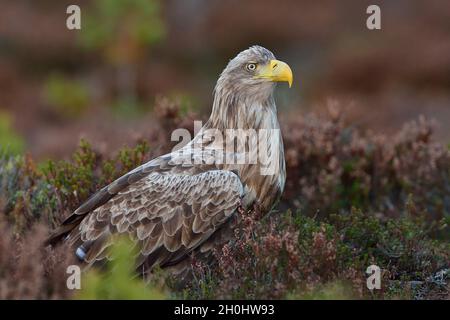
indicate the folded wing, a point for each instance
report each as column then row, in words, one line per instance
column 168, row 215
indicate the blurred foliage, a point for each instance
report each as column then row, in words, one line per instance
column 10, row 142
column 119, row 280
column 332, row 167
column 128, row 109
column 69, row 98
column 185, row 102
column 375, row 71
column 123, row 29
column 337, row 290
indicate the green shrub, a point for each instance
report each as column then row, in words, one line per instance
column 119, row 280
column 10, row 142
column 70, row 98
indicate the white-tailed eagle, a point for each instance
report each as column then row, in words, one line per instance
column 182, row 204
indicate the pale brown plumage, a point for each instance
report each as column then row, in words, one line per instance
column 173, row 209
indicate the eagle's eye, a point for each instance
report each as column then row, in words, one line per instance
column 250, row 67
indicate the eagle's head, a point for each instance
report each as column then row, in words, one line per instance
column 253, row 73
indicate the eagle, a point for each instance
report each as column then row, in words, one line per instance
column 181, row 205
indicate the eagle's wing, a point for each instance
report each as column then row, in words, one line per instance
column 167, row 214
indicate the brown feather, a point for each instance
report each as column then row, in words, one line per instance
column 174, row 210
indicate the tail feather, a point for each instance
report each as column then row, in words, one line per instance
column 64, row 229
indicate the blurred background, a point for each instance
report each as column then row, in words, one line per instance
column 102, row 82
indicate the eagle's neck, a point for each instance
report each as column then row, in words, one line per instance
column 238, row 111
column 253, row 112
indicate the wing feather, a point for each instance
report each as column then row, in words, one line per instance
column 168, row 214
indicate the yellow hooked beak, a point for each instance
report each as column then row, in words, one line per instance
column 276, row 71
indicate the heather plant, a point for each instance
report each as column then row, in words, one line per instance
column 356, row 199
column 34, row 198
column 290, row 255
column 48, row 191
column 332, row 167
column 30, row 271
